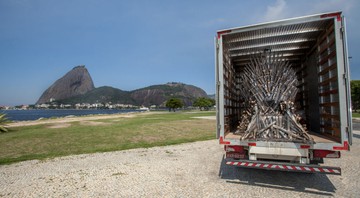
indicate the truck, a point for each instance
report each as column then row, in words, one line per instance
column 314, row 47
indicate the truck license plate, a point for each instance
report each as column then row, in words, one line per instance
column 235, row 155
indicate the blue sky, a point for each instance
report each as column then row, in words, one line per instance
column 133, row 44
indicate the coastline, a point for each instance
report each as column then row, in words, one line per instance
column 67, row 119
column 36, row 114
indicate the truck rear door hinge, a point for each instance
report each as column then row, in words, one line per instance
column 342, row 31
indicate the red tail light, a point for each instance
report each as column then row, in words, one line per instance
column 238, row 149
column 252, row 144
column 326, row 154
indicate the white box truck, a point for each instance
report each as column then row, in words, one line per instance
column 315, row 47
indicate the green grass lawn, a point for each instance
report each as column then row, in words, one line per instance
column 142, row 130
column 356, row 115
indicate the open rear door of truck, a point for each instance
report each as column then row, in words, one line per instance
column 347, row 79
column 217, row 86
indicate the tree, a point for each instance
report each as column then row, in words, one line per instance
column 174, row 103
column 355, row 94
column 3, row 121
column 204, row 103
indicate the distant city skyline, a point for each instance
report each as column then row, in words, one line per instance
column 133, row 44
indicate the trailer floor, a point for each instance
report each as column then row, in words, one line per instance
column 317, row 137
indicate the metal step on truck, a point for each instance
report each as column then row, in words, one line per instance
column 283, row 95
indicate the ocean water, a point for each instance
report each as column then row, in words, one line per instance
column 22, row 115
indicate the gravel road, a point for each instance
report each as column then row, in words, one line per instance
column 186, row 170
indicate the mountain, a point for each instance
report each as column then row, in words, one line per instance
column 76, row 82
column 103, row 94
column 212, row 96
column 158, row 94
column 152, row 95
column 77, row 87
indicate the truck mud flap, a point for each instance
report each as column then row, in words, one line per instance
column 285, row 167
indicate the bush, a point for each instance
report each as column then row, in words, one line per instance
column 174, row 103
column 204, row 103
column 3, row 121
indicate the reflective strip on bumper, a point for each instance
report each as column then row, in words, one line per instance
column 286, row 167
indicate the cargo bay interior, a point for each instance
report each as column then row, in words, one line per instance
column 310, row 48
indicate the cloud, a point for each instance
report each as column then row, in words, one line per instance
column 282, row 9
column 277, row 11
column 334, row 5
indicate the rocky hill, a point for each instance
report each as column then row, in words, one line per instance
column 158, row 94
column 152, row 95
column 76, row 82
column 77, row 87
column 103, row 94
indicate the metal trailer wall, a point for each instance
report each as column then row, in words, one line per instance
column 313, row 110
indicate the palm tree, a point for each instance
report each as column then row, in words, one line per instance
column 3, row 121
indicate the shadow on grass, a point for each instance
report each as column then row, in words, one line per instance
column 316, row 184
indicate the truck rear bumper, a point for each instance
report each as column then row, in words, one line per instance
column 285, row 166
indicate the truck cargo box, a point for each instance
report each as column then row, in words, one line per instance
column 315, row 47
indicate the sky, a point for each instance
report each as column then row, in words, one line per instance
column 133, row 44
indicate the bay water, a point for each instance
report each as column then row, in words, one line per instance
column 35, row 114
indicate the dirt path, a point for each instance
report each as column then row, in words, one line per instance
column 186, row 170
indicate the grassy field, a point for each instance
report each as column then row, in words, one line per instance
column 356, row 115
column 142, row 130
